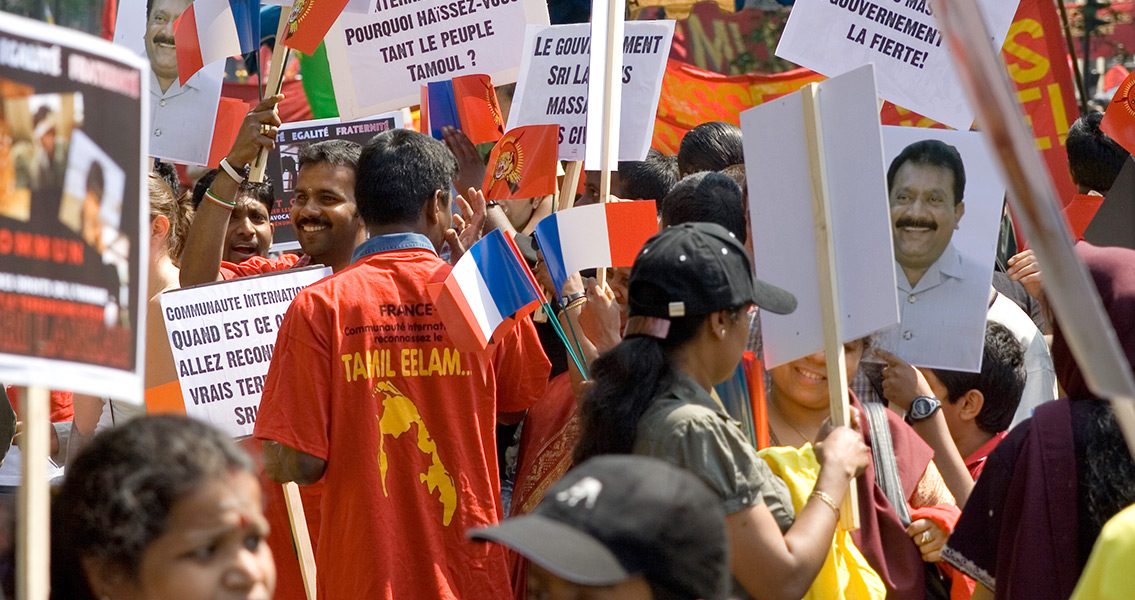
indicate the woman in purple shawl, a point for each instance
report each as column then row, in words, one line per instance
column 1050, row 486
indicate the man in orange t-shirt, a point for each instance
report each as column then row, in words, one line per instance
column 367, row 394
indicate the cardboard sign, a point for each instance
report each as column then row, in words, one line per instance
column 1114, row 222
column 943, row 318
column 553, row 86
column 380, row 61
column 283, row 162
column 222, row 336
column 780, row 203
column 181, row 117
column 73, row 227
column 901, row 38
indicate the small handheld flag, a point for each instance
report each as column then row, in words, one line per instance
column 309, row 23
column 1079, row 213
column 523, row 164
column 468, row 103
column 594, row 236
column 212, row 30
column 1119, row 120
column 488, row 287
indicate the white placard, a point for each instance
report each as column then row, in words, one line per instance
column 380, row 61
column 552, row 88
column 181, row 116
column 944, row 325
column 780, row 204
column 900, row 37
column 222, row 336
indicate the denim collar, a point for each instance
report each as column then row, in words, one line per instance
column 391, row 242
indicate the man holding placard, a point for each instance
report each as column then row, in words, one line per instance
column 367, row 393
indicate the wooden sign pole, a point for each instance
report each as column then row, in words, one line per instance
column 33, row 527
column 301, row 537
column 829, row 286
column 275, row 82
column 569, row 185
column 616, row 13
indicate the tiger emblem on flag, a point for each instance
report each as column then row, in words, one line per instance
column 510, row 164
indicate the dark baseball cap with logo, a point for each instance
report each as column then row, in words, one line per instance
column 617, row 516
column 696, row 269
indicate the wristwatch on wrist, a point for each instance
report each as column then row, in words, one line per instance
column 491, row 203
column 922, row 408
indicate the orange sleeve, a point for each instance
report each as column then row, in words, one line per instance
column 521, row 368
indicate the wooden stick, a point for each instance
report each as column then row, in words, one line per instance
column 829, row 285
column 616, row 13
column 1076, row 72
column 569, row 185
column 301, row 537
column 33, row 527
column 275, row 82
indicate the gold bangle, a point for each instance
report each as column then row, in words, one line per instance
column 574, row 303
column 826, row 499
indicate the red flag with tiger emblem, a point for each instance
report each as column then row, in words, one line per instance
column 523, row 164
column 310, row 22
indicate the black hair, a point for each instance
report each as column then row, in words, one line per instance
column 1001, row 380
column 168, row 172
column 706, row 197
column 627, row 379
column 710, row 147
column 933, row 153
column 95, row 179
column 118, row 494
column 337, row 153
column 1093, row 158
column 264, row 192
column 399, row 172
column 649, row 179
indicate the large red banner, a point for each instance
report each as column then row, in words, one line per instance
column 1034, row 52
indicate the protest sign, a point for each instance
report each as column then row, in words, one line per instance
column 181, row 117
column 901, row 38
column 222, row 336
column 1114, row 222
column 380, row 61
column 780, row 202
column 283, row 162
column 553, row 88
column 943, row 314
column 72, row 159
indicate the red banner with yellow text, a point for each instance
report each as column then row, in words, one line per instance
column 1034, row 52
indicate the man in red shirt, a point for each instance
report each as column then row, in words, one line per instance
column 367, row 394
column 323, row 211
column 979, row 407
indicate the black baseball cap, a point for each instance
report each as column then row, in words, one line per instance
column 697, row 269
column 617, row 516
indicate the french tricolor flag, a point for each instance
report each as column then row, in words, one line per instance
column 211, row 30
column 594, row 236
column 489, row 286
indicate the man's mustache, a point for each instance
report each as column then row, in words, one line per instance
column 163, row 39
column 908, row 222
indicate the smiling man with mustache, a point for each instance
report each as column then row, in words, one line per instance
column 181, row 116
column 936, row 284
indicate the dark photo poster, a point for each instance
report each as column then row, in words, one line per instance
column 72, row 159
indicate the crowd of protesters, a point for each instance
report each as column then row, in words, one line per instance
column 511, row 474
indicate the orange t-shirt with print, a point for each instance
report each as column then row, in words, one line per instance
column 365, row 377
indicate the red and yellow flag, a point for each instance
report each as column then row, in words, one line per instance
column 477, row 104
column 309, row 23
column 1119, row 120
column 523, row 164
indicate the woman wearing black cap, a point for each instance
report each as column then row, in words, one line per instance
column 690, row 291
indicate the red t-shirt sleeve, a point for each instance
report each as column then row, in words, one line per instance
column 295, row 410
column 521, row 368
column 257, row 265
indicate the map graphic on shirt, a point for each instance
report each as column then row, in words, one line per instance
column 398, row 414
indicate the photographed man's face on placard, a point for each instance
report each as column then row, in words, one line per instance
column 159, row 36
column 923, row 213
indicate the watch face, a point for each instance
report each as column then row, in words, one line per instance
column 923, row 407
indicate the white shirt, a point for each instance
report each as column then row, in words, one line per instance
column 1040, row 387
column 182, row 119
column 942, row 318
